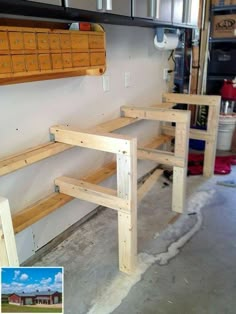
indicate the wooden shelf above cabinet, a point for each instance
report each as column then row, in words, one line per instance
column 32, row 54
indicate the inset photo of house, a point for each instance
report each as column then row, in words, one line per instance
column 32, row 290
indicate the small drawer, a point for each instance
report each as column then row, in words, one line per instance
column 16, row 40
column 57, row 61
column 18, row 63
column 79, row 42
column 54, row 40
column 3, row 41
column 97, row 58
column 80, row 59
column 67, row 60
column 5, row 64
column 29, row 41
column 42, row 40
column 65, row 41
column 31, row 62
column 96, row 42
column 44, row 62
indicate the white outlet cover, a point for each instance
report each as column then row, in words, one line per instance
column 127, row 79
column 106, row 83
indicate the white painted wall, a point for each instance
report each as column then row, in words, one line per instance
column 28, row 110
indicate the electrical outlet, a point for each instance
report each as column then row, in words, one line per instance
column 127, row 79
column 106, row 83
column 165, row 74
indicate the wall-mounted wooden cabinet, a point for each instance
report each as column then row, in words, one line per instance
column 28, row 54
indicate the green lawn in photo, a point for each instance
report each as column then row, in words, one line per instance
column 9, row 308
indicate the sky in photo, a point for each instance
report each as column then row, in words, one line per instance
column 30, row 279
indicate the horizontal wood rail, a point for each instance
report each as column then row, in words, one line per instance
column 193, row 133
column 92, row 193
column 199, row 100
column 106, row 142
column 160, row 157
column 159, row 114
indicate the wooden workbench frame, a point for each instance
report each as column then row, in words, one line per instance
column 179, row 158
column 124, row 200
column 209, row 135
column 8, row 252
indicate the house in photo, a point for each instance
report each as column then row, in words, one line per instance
column 22, row 298
column 47, row 297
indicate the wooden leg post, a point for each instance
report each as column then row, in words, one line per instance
column 127, row 221
column 180, row 173
column 210, row 146
column 8, row 252
column 179, row 189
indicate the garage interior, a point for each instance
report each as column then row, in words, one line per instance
column 118, row 146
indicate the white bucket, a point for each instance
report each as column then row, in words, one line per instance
column 225, row 132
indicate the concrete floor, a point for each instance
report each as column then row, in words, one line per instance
column 200, row 279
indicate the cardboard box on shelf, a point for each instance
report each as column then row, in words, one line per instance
column 223, row 2
column 224, row 26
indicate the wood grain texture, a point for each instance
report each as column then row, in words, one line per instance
column 161, row 157
column 107, row 142
column 191, row 99
column 29, row 157
column 149, row 183
column 152, row 113
column 127, row 222
column 9, row 246
column 92, row 193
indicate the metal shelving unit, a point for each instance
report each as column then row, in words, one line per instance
column 215, row 80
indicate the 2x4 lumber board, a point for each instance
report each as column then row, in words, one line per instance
column 193, row 133
column 8, row 232
column 158, row 141
column 92, row 193
column 111, row 143
column 191, row 99
column 40, row 152
column 166, row 158
column 179, row 189
column 180, row 173
column 159, row 114
column 38, row 210
column 127, row 222
column 149, row 183
column 29, row 157
column 3, row 251
column 30, row 215
column 113, row 125
column 210, row 149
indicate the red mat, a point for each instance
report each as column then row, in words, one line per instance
column 222, row 164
